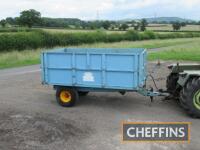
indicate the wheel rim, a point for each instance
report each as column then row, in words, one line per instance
column 196, row 99
column 65, row 96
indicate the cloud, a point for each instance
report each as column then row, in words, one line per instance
column 107, row 9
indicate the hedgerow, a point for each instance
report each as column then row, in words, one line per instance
column 39, row 38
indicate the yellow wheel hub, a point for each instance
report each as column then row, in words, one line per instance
column 65, row 96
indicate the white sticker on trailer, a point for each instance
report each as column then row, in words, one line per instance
column 88, row 77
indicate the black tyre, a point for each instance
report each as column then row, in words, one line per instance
column 183, row 97
column 190, row 97
column 81, row 93
column 171, row 83
column 182, row 100
column 66, row 97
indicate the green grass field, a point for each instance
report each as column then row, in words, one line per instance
column 144, row 44
column 169, row 27
column 150, row 27
column 187, row 49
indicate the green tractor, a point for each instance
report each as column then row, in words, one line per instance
column 183, row 83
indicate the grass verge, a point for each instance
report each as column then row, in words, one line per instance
column 186, row 52
column 19, row 58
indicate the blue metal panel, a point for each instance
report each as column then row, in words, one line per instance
column 120, row 79
column 95, row 68
column 81, row 61
column 89, row 78
column 59, row 61
column 60, row 76
column 120, row 62
column 95, row 61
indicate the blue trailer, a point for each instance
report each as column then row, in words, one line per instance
column 76, row 71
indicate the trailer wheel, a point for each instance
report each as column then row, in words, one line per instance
column 190, row 97
column 66, row 97
column 172, row 83
column 81, row 93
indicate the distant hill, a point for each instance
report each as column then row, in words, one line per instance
column 167, row 19
column 160, row 20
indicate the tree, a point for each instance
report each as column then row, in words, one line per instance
column 117, row 26
column 143, row 24
column 183, row 24
column 84, row 25
column 176, row 26
column 106, row 25
column 29, row 17
column 93, row 25
column 11, row 20
column 113, row 27
column 136, row 26
column 124, row 27
column 3, row 23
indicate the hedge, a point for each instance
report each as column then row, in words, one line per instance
column 39, row 39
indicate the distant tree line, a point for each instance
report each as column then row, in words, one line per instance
column 32, row 18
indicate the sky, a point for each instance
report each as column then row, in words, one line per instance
column 104, row 9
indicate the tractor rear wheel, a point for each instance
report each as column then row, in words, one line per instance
column 171, row 84
column 190, row 97
column 182, row 100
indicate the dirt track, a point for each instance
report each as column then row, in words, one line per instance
column 31, row 119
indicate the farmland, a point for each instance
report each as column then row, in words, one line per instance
column 152, row 27
column 22, row 46
column 168, row 27
column 169, row 49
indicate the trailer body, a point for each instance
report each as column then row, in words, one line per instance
column 95, row 69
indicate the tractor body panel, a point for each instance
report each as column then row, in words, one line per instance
column 177, row 68
column 185, row 72
column 183, row 84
